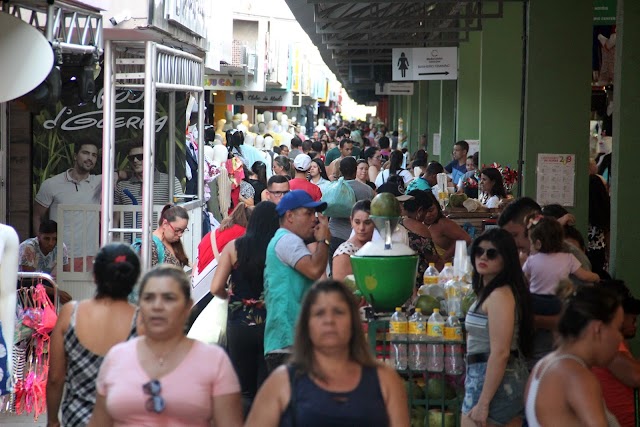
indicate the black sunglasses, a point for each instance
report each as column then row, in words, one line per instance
column 492, row 253
column 155, row 402
column 137, row 157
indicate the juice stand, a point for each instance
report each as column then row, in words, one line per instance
column 384, row 273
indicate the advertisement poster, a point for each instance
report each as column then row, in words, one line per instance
column 57, row 130
column 556, row 174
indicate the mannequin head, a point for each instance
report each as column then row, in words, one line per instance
column 220, row 125
column 268, row 143
column 259, row 118
column 259, row 142
column 244, row 117
column 249, row 139
column 279, row 116
column 218, row 140
column 268, row 116
column 219, row 154
column 228, row 115
column 242, row 128
column 286, row 139
column 262, row 127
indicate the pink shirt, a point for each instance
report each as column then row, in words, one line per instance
column 617, row 396
column 546, row 270
column 205, row 372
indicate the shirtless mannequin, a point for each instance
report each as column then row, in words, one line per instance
column 9, row 244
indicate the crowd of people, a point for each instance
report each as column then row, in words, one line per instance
column 295, row 351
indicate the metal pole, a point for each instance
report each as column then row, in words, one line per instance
column 148, row 151
column 108, row 152
column 172, row 144
column 201, row 163
column 4, row 148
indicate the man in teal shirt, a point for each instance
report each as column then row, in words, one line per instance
column 291, row 268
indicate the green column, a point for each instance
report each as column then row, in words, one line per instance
column 433, row 114
column 448, row 123
column 558, row 91
column 468, row 121
column 625, row 232
column 501, row 87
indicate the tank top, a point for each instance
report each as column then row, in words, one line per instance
column 246, row 306
column 477, row 325
column 82, row 372
column 530, row 404
column 316, row 407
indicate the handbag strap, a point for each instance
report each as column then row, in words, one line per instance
column 214, row 245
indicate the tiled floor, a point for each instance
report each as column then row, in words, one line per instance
column 7, row 420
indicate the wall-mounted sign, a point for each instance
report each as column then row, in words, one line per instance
column 425, row 63
column 264, row 99
column 604, row 12
column 556, row 175
column 223, row 83
column 190, row 15
column 394, row 88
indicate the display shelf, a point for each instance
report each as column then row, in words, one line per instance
column 426, row 410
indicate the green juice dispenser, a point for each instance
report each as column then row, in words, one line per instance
column 385, row 270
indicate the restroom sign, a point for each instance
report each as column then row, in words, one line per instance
column 425, row 63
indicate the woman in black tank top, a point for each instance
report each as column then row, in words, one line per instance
column 333, row 379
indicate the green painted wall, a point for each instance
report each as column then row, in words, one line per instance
column 468, row 121
column 448, row 119
column 559, row 90
column 433, row 114
column 501, row 87
column 625, row 232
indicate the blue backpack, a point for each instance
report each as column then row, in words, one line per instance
column 137, row 247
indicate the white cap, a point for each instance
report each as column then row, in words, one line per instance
column 302, row 162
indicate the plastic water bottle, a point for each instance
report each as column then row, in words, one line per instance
column 435, row 348
column 417, row 338
column 453, row 295
column 446, row 274
column 398, row 329
column 453, row 354
column 430, row 276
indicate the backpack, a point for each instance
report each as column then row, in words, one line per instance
column 137, row 247
column 340, row 199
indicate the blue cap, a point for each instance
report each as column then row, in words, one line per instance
column 298, row 199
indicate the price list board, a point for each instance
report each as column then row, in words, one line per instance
column 556, row 176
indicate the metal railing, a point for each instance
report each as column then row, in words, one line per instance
column 40, row 277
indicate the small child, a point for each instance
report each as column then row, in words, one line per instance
column 547, row 265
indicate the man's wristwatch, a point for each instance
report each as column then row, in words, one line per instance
column 325, row 241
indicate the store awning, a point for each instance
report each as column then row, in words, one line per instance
column 355, row 37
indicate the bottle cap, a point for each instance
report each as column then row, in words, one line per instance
column 436, row 310
column 448, row 264
column 432, row 264
column 452, row 313
column 398, row 308
column 418, row 310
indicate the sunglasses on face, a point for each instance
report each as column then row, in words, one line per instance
column 492, row 253
column 278, row 193
column 155, row 402
column 137, row 157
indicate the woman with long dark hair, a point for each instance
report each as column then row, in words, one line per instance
column 492, row 188
column 86, row 330
column 444, row 231
column 167, row 247
column 333, row 378
column 499, row 334
column 395, row 168
column 244, row 260
column 374, row 160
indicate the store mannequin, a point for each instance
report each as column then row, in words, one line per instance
column 254, row 129
column 250, row 139
column 285, row 139
column 9, row 244
column 259, row 118
column 262, row 128
column 268, row 116
column 279, row 116
column 259, row 142
column 224, row 184
column 220, row 127
column 218, row 140
column 268, row 143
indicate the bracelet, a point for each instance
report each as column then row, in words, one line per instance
column 325, row 241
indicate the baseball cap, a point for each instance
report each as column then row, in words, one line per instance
column 302, row 162
column 298, row 199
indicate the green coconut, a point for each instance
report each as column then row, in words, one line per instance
column 385, row 204
column 456, row 200
column 427, row 303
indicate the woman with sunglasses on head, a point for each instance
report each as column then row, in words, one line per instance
column 499, row 334
column 562, row 389
column 84, row 333
column 243, row 261
column 332, row 379
column 165, row 378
